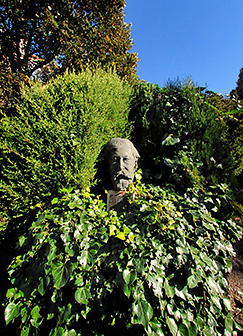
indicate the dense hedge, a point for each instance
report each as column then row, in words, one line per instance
column 56, row 135
column 181, row 137
column 157, row 269
column 231, row 110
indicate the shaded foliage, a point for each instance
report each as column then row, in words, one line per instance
column 180, row 135
column 231, row 112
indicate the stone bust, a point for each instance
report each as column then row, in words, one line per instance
column 122, row 160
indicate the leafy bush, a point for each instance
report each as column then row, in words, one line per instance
column 231, row 111
column 236, row 142
column 56, row 135
column 159, row 268
column 180, row 136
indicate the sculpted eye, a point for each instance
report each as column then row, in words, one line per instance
column 114, row 160
column 126, row 159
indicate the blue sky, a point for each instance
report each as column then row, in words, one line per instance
column 202, row 40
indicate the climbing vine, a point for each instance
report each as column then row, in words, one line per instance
column 159, row 268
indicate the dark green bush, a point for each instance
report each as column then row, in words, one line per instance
column 56, row 135
column 157, row 269
column 236, row 142
column 180, row 136
column 231, row 111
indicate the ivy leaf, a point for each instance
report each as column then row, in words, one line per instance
column 170, row 141
column 206, row 259
column 172, row 325
column 81, row 295
column 207, row 331
column 126, row 290
column 193, row 329
column 156, row 327
column 25, row 331
column 44, row 282
column 212, row 284
column 10, row 292
column 229, row 324
column 35, row 312
column 112, row 229
column 193, row 280
column 11, row 312
column 169, row 290
column 35, row 315
column 216, row 301
column 227, row 303
column 126, row 276
column 183, row 331
column 144, row 312
column 21, row 240
column 121, row 236
column 60, row 273
column 84, row 258
column 171, row 163
column 54, row 201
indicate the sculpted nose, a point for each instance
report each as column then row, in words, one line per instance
column 121, row 165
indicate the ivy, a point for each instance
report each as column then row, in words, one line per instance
column 159, row 268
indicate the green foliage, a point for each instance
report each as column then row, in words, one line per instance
column 56, row 135
column 236, row 141
column 179, row 135
column 159, row 268
column 238, row 91
column 231, row 111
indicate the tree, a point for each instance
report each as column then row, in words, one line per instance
column 239, row 88
column 238, row 91
column 50, row 36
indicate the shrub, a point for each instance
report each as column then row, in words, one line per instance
column 236, row 142
column 231, row 111
column 159, row 268
column 56, row 135
column 180, row 136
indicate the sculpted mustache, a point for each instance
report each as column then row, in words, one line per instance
column 123, row 176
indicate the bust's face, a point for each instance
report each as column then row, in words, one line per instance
column 122, row 166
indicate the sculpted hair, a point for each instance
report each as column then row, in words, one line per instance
column 113, row 144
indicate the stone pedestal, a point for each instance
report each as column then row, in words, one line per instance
column 116, row 200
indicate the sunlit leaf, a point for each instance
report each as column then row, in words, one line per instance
column 82, row 295
column 121, row 236
column 227, row 303
column 126, row 276
column 25, row 331
column 112, row 229
column 54, row 201
column 172, row 325
column 169, row 290
column 11, row 311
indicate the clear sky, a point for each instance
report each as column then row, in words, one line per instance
column 200, row 39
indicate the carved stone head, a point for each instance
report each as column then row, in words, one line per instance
column 122, row 159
